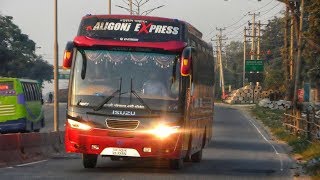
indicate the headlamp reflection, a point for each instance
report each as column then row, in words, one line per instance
column 164, row 131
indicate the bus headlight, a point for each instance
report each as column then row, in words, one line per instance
column 164, row 131
column 79, row 125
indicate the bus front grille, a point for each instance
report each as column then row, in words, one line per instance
column 7, row 110
column 121, row 134
column 122, row 124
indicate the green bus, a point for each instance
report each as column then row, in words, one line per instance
column 20, row 105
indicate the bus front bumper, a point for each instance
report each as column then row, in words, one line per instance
column 103, row 142
column 13, row 125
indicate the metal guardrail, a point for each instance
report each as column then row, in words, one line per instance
column 303, row 123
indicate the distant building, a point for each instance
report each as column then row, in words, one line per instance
column 64, row 75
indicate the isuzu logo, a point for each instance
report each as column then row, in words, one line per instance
column 124, row 113
column 119, row 142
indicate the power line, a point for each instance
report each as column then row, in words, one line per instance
column 238, row 27
column 263, row 6
column 238, row 34
column 267, row 11
column 236, row 22
column 268, row 18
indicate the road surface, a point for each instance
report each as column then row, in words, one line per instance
column 48, row 115
column 240, row 149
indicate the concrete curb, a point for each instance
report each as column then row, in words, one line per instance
column 27, row 147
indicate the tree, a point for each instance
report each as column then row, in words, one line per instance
column 272, row 42
column 311, row 65
column 234, row 64
column 17, row 54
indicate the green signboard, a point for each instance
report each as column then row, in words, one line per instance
column 64, row 76
column 254, row 66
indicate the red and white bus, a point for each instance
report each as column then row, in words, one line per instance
column 140, row 87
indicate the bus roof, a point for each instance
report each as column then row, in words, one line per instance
column 191, row 29
column 134, row 17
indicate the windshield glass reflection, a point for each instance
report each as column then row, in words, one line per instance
column 153, row 76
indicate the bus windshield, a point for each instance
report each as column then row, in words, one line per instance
column 152, row 76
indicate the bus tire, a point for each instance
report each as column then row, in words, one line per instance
column 196, row 157
column 42, row 123
column 188, row 154
column 176, row 164
column 89, row 160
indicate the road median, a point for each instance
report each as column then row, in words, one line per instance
column 27, row 147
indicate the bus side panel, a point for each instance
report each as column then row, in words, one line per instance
column 34, row 111
column 12, row 111
column 32, row 105
column 201, row 105
column 21, row 111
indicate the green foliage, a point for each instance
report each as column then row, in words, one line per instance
column 311, row 66
column 268, row 117
column 233, row 65
column 17, row 54
column 273, row 40
column 274, row 74
column 301, row 145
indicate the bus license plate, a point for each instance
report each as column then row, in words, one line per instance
column 119, row 151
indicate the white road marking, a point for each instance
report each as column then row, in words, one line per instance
column 27, row 164
column 274, row 148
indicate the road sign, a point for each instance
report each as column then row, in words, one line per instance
column 254, row 66
column 254, row 77
column 64, row 76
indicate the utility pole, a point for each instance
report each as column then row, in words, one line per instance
column 259, row 40
column 130, row 6
column 56, row 71
column 291, row 46
column 285, row 40
column 244, row 56
column 219, row 58
column 109, row 6
column 298, row 60
column 285, row 55
column 253, row 26
column 218, row 61
column 138, row 4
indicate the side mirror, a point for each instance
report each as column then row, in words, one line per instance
column 68, row 54
column 186, row 61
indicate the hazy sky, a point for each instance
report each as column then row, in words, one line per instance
column 35, row 17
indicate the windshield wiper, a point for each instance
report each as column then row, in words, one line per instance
column 105, row 101
column 139, row 98
column 84, row 64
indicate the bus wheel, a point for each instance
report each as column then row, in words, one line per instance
column 188, row 155
column 89, row 160
column 42, row 122
column 196, row 157
column 176, row 164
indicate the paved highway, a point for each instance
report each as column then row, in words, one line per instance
column 240, row 149
column 48, row 115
